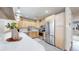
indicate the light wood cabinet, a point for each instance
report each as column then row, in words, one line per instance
column 29, row 23
column 59, row 30
column 33, row 34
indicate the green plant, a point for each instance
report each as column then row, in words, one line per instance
column 11, row 25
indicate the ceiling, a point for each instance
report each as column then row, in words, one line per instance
column 6, row 13
column 36, row 13
column 75, row 10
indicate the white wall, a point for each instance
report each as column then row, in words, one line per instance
column 68, row 28
column 75, row 17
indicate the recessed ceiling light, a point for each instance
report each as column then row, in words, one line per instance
column 27, row 16
column 47, row 11
column 18, row 11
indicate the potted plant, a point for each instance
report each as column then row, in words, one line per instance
column 14, row 31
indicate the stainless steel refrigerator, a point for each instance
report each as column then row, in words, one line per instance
column 50, row 32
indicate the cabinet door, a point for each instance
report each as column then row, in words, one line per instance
column 59, row 38
column 59, row 30
column 33, row 34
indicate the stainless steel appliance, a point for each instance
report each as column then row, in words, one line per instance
column 50, row 32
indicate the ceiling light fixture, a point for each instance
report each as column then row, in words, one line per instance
column 47, row 11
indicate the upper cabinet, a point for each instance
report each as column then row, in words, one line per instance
column 26, row 23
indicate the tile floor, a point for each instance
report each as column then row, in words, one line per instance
column 47, row 46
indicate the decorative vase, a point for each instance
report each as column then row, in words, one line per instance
column 14, row 34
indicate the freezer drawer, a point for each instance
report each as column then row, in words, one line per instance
column 49, row 39
column 52, row 40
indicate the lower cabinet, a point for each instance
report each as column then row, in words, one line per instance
column 33, row 34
